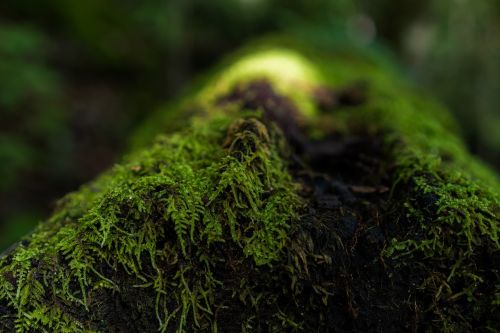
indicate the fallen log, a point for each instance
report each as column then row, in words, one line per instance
column 294, row 191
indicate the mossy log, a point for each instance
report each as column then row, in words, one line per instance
column 293, row 191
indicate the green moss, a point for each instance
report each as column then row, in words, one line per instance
column 162, row 215
column 195, row 186
column 448, row 200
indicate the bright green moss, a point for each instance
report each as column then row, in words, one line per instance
column 188, row 184
column 159, row 216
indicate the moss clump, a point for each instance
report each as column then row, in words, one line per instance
column 445, row 202
column 277, row 208
column 160, row 211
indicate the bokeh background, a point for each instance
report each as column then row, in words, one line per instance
column 76, row 77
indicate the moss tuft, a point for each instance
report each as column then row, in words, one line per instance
column 164, row 207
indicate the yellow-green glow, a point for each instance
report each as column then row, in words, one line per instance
column 288, row 71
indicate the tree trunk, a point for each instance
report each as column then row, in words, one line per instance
column 299, row 192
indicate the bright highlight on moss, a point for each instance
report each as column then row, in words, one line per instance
column 289, row 72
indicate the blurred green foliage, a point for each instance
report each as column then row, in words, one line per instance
column 33, row 123
column 454, row 50
column 29, row 100
column 77, row 76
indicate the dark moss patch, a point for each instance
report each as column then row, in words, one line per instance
column 339, row 246
column 259, row 95
column 330, row 277
column 329, row 99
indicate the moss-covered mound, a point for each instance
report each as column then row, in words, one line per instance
column 306, row 192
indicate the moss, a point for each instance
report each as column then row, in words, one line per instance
column 448, row 200
column 195, row 186
column 187, row 232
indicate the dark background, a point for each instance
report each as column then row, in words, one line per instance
column 76, row 77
